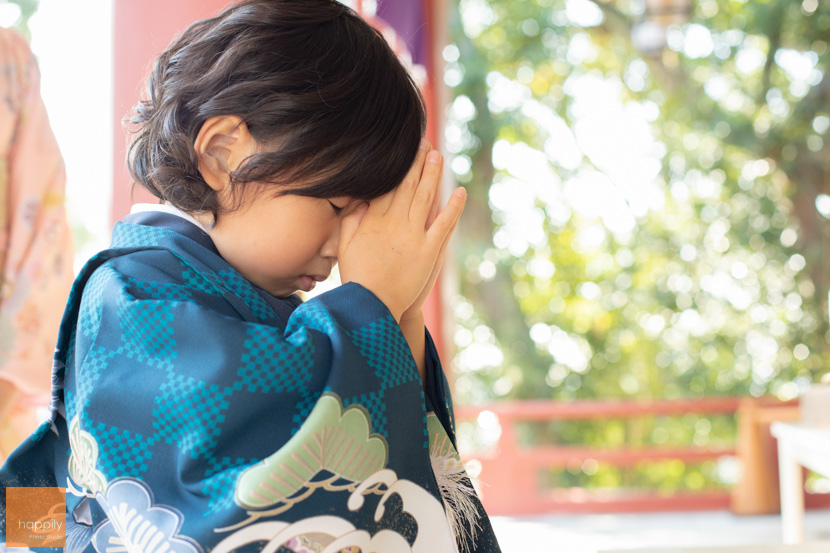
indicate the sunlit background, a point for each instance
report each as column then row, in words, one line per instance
column 647, row 220
column 73, row 44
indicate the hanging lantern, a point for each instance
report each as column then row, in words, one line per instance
column 668, row 12
column 649, row 35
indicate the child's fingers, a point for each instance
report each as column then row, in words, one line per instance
column 436, row 204
column 406, row 190
column 446, row 221
column 381, row 204
column 439, row 261
column 350, row 224
column 424, row 198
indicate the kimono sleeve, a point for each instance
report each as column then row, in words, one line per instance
column 185, row 396
column 438, row 393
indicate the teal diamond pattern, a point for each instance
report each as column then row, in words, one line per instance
column 147, row 331
column 88, row 372
column 89, row 316
column 303, row 409
column 249, row 295
column 190, row 413
column 121, row 453
column 194, row 280
column 312, row 316
column 142, row 289
column 272, row 364
column 219, row 483
column 391, row 359
column 125, row 236
column 373, row 402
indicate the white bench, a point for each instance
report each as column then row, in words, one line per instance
column 799, row 445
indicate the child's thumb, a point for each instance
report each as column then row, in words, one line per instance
column 351, row 222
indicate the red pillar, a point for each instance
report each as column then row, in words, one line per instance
column 438, row 318
column 142, row 30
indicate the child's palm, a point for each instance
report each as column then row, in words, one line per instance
column 395, row 247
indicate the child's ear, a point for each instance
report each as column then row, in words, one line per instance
column 222, row 144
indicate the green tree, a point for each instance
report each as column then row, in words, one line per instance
column 640, row 223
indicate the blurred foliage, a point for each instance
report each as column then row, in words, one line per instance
column 663, row 476
column 647, row 207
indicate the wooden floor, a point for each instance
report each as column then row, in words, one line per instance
column 593, row 533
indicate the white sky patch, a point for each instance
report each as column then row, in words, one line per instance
column 619, row 141
column 568, row 349
column 593, row 195
column 73, row 44
column 9, row 14
column 527, row 164
column 463, row 109
column 541, row 267
column 748, row 60
column 716, row 87
column 698, row 41
column 722, row 285
column 530, row 181
column 798, row 65
column 476, row 16
column 763, row 350
column 590, row 238
column 505, row 94
column 583, row 13
column 581, row 49
column 477, row 356
column 561, row 146
column 823, row 205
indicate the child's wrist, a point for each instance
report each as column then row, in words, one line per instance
column 390, row 303
column 412, row 319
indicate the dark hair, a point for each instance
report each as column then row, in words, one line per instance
column 317, row 86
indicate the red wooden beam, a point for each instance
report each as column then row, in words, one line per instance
column 548, row 410
column 559, row 456
column 582, row 501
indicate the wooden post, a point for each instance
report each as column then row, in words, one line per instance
column 757, row 491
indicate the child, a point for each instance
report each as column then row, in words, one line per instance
column 197, row 404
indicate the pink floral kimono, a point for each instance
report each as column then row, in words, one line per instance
column 35, row 240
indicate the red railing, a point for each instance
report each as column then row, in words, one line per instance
column 510, row 472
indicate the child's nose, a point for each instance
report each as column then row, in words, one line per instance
column 329, row 248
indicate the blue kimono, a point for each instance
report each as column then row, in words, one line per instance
column 192, row 412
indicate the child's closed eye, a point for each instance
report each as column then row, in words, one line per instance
column 337, row 209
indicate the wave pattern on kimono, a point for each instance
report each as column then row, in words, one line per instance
column 194, row 412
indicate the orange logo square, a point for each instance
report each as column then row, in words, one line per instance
column 36, row 517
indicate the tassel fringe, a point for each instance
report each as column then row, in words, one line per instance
column 458, row 494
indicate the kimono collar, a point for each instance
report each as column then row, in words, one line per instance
column 171, row 218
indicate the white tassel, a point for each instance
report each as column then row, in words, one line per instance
column 458, row 495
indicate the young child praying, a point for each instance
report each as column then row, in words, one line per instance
column 198, row 404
